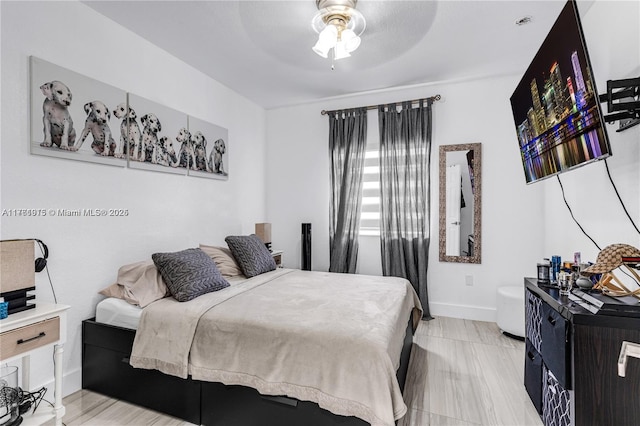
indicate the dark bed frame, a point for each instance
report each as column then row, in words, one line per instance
column 106, row 370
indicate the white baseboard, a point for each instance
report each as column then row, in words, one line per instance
column 71, row 382
column 477, row 313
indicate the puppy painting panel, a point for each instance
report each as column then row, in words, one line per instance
column 160, row 130
column 130, row 135
column 57, row 122
column 97, row 124
column 68, row 109
column 210, row 144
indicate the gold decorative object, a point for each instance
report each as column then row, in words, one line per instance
column 609, row 259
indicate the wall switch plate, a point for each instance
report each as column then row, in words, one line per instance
column 468, row 280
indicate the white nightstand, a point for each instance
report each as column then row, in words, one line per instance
column 22, row 333
column 277, row 256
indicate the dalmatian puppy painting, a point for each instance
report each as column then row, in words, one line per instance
column 58, row 125
column 97, row 123
column 199, row 144
column 186, row 156
column 150, row 128
column 216, row 164
column 130, row 136
column 164, row 154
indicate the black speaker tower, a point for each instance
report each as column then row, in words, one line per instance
column 306, row 246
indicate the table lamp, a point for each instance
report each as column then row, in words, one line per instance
column 263, row 231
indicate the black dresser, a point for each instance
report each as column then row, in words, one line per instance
column 571, row 361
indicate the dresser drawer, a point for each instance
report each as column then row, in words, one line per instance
column 533, row 375
column 556, row 401
column 533, row 320
column 556, row 345
column 30, row 337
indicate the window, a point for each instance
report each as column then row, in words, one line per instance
column 370, row 213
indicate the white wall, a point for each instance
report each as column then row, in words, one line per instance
column 521, row 223
column 167, row 212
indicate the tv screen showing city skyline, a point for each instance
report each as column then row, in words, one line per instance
column 555, row 106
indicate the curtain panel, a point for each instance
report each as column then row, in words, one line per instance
column 405, row 163
column 347, row 146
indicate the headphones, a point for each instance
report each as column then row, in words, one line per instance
column 41, row 262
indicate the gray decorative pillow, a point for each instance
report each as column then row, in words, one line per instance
column 189, row 273
column 251, row 254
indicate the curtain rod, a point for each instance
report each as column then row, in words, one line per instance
column 432, row 98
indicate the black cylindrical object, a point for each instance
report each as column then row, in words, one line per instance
column 306, row 246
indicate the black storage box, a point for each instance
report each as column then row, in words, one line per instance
column 556, row 401
column 556, row 345
column 106, row 370
column 533, row 375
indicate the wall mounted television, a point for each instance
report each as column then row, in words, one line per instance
column 555, row 106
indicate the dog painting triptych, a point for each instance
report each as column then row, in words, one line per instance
column 76, row 117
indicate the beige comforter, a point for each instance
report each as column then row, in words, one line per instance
column 333, row 339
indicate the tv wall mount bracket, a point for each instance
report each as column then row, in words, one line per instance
column 623, row 102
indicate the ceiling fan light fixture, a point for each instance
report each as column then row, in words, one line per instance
column 350, row 39
column 340, row 51
column 321, row 49
column 326, row 41
column 339, row 26
column 328, row 36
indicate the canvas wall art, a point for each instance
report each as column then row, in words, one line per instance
column 210, row 150
column 157, row 134
column 76, row 117
column 72, row 115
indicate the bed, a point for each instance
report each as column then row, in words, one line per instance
column 282, row 347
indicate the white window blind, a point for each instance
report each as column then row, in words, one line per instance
column 370, row 213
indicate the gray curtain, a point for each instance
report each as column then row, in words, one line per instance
column 405, row 158
column 347, row 145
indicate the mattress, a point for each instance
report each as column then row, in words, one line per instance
column 118, row 312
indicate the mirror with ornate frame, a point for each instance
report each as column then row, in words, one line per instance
column 460, row 169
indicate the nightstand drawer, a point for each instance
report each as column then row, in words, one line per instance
column 27, row 338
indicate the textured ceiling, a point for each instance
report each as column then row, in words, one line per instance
column 262, row 49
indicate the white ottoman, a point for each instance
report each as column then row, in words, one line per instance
column 510, row 310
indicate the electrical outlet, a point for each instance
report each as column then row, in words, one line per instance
column 468, row 280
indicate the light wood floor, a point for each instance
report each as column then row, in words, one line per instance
column 466, row 373
column 461, row 373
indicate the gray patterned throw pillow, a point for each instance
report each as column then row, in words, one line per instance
column 189, row 273
column 251, row 254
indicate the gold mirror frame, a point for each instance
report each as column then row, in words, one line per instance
column 477, row 202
